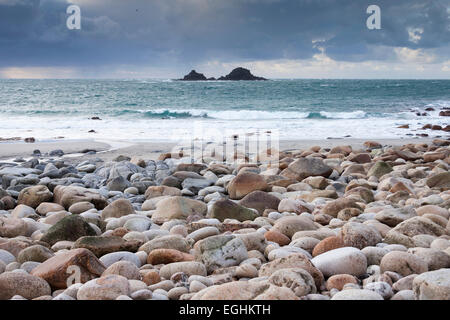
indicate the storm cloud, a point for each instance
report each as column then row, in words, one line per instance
column 178, row 34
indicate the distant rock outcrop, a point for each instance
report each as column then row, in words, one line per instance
column 240, row 74
column 194, row 76
column 235, row 75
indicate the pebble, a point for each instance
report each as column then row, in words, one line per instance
column 126, row 269
column 23, row 284
column 6, row 257
column 403, row 263
column 357, row 294
column 110, row 258
column 346, row 260
column 336, row 223
column 296, row 279
column 433, row 285
column 143, row 294
column 338, row 281
column 382, row 288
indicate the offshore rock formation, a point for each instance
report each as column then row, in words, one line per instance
column 235, row 75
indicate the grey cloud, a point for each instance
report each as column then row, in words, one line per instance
column 188, row 32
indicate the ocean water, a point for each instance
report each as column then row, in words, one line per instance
column 161, row 110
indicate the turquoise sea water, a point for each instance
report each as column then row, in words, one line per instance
column 156, row 109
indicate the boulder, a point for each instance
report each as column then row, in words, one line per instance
column 6, row 257
column 296, row 279
column 69, row 228
column 187, row 267
column 118, row 184
column 374, row 255
column 113, row 257
column 291, row 205
column 22, row 211
column 236, row 290
column 420, row 225
column 175, row 242
column 359, row 235
column 433, row 209
column 34, row 196
column 68, row 195
column 80, row 207
column 307, row 167
column 227, row 209
column 289, row 225
column 327, row 244
column 357, row 294
column 16, row 245
column 125, row 269
column 101, row 245
column 332, row 208
column 245, row 183
column 439, row 181
column 158, row 191
column 166, row 256
column 105, row 288
column 295, row 260
column 433, row 285
column 360, row 158
column 260, row 201
column 117, row 209
column 379, row 169
column 338, row 281
column 346, row 260
column 253, row 240
column 403, row 263
column 22, row 284
column 67, row 268
column 36, row 253
column 195, row 185
column 394, row 216
column 46, row 207
column 278, row 237
column 220, row 251
column 177, row 207
column 435, row 259
column 12, row 227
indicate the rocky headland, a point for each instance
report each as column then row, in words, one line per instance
column 335, row 223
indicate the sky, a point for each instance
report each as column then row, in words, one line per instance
column 273, row 38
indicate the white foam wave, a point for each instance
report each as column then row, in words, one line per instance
column 256, row 114
column 358, row 114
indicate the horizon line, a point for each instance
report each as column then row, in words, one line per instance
column 171, row 79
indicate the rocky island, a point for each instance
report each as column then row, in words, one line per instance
column 237, row 74
column 194, row 76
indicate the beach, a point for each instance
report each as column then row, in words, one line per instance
column 267, row 190
column 109, row 149
column 197, row 151
column 336, row 219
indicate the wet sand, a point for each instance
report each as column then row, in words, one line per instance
column 109, row 149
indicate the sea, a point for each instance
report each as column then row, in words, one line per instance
column 164, row 110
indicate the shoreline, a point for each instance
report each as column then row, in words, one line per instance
column 109, row 149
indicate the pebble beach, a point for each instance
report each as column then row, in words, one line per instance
column 326, row 221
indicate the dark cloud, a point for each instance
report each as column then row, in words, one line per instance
column 187, row 32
